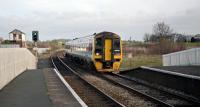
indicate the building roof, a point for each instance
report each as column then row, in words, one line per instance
column 16, row 31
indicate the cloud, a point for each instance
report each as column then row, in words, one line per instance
column 75, row 18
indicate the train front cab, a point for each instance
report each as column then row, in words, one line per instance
column 107, row 54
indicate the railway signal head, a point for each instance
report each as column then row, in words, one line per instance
column 35, row 35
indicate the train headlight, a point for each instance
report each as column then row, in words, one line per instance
column 97, row 54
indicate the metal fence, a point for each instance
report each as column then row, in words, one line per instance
column 182, row 58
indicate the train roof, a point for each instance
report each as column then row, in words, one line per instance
column 90, row 37
column 105, row 33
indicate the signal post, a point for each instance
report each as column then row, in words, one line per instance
column 35, row 38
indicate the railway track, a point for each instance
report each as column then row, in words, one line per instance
column 158, row 96
column 157, row 102
column 151, row 92
column 91, row 95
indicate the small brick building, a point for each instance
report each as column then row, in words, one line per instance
column 18, row 37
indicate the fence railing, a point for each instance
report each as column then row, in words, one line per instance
column 182, row 58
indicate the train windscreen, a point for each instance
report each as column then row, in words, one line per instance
column 98, row 50
column 116, row 46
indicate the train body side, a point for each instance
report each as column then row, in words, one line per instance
column 80, row 50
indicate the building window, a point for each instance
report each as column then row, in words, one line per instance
column 14, row 36
column 20, row 36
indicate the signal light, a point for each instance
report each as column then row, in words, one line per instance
column 35, row 35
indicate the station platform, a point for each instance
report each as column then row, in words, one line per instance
column 189, row 70
column 37, row 88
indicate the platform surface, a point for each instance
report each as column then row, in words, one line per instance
column 27, row 90
column 189, row 70
column 37, row 88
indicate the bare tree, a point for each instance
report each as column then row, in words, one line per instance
column 161, row 29
column 147, row 37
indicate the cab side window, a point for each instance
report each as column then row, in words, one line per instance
column 98, row 45
column 116, row 45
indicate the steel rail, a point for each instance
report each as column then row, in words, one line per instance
column 157, row 101
column 160, row 102
column 116, row 103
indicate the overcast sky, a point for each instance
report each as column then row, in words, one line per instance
column 76, row 18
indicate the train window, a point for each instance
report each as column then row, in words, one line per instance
column 99, row 42
column 90, row 46
column 98, row 50
column 116, row 45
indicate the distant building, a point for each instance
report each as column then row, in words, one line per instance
column 18, row 37
column 42, row 50
column 196, row 38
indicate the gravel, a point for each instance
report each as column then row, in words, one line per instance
column 163, row 96
column 123, row 96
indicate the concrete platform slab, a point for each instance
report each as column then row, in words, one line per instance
column 189, row 70
column 37, row 88
column 27, row 90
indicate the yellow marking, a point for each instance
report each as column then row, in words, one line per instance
column 116, row 66
column 117, row 57
column 108, row 44
column 98, row 57
column 98, row 65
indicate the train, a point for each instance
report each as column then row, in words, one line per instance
column 100, row 51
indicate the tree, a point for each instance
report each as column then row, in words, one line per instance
column 147, row 37
column 1, row 39
column 161, row 29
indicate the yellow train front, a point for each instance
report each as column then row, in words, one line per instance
column 102, row 51
column 107, row 52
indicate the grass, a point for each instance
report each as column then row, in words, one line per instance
column 141, row 60
column 149, row 60
column 192, row 45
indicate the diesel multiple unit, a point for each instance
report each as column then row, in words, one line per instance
column 102, row 51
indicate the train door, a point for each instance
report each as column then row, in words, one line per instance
column 108, row 49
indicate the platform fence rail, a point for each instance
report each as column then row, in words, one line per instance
column 190, row 57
